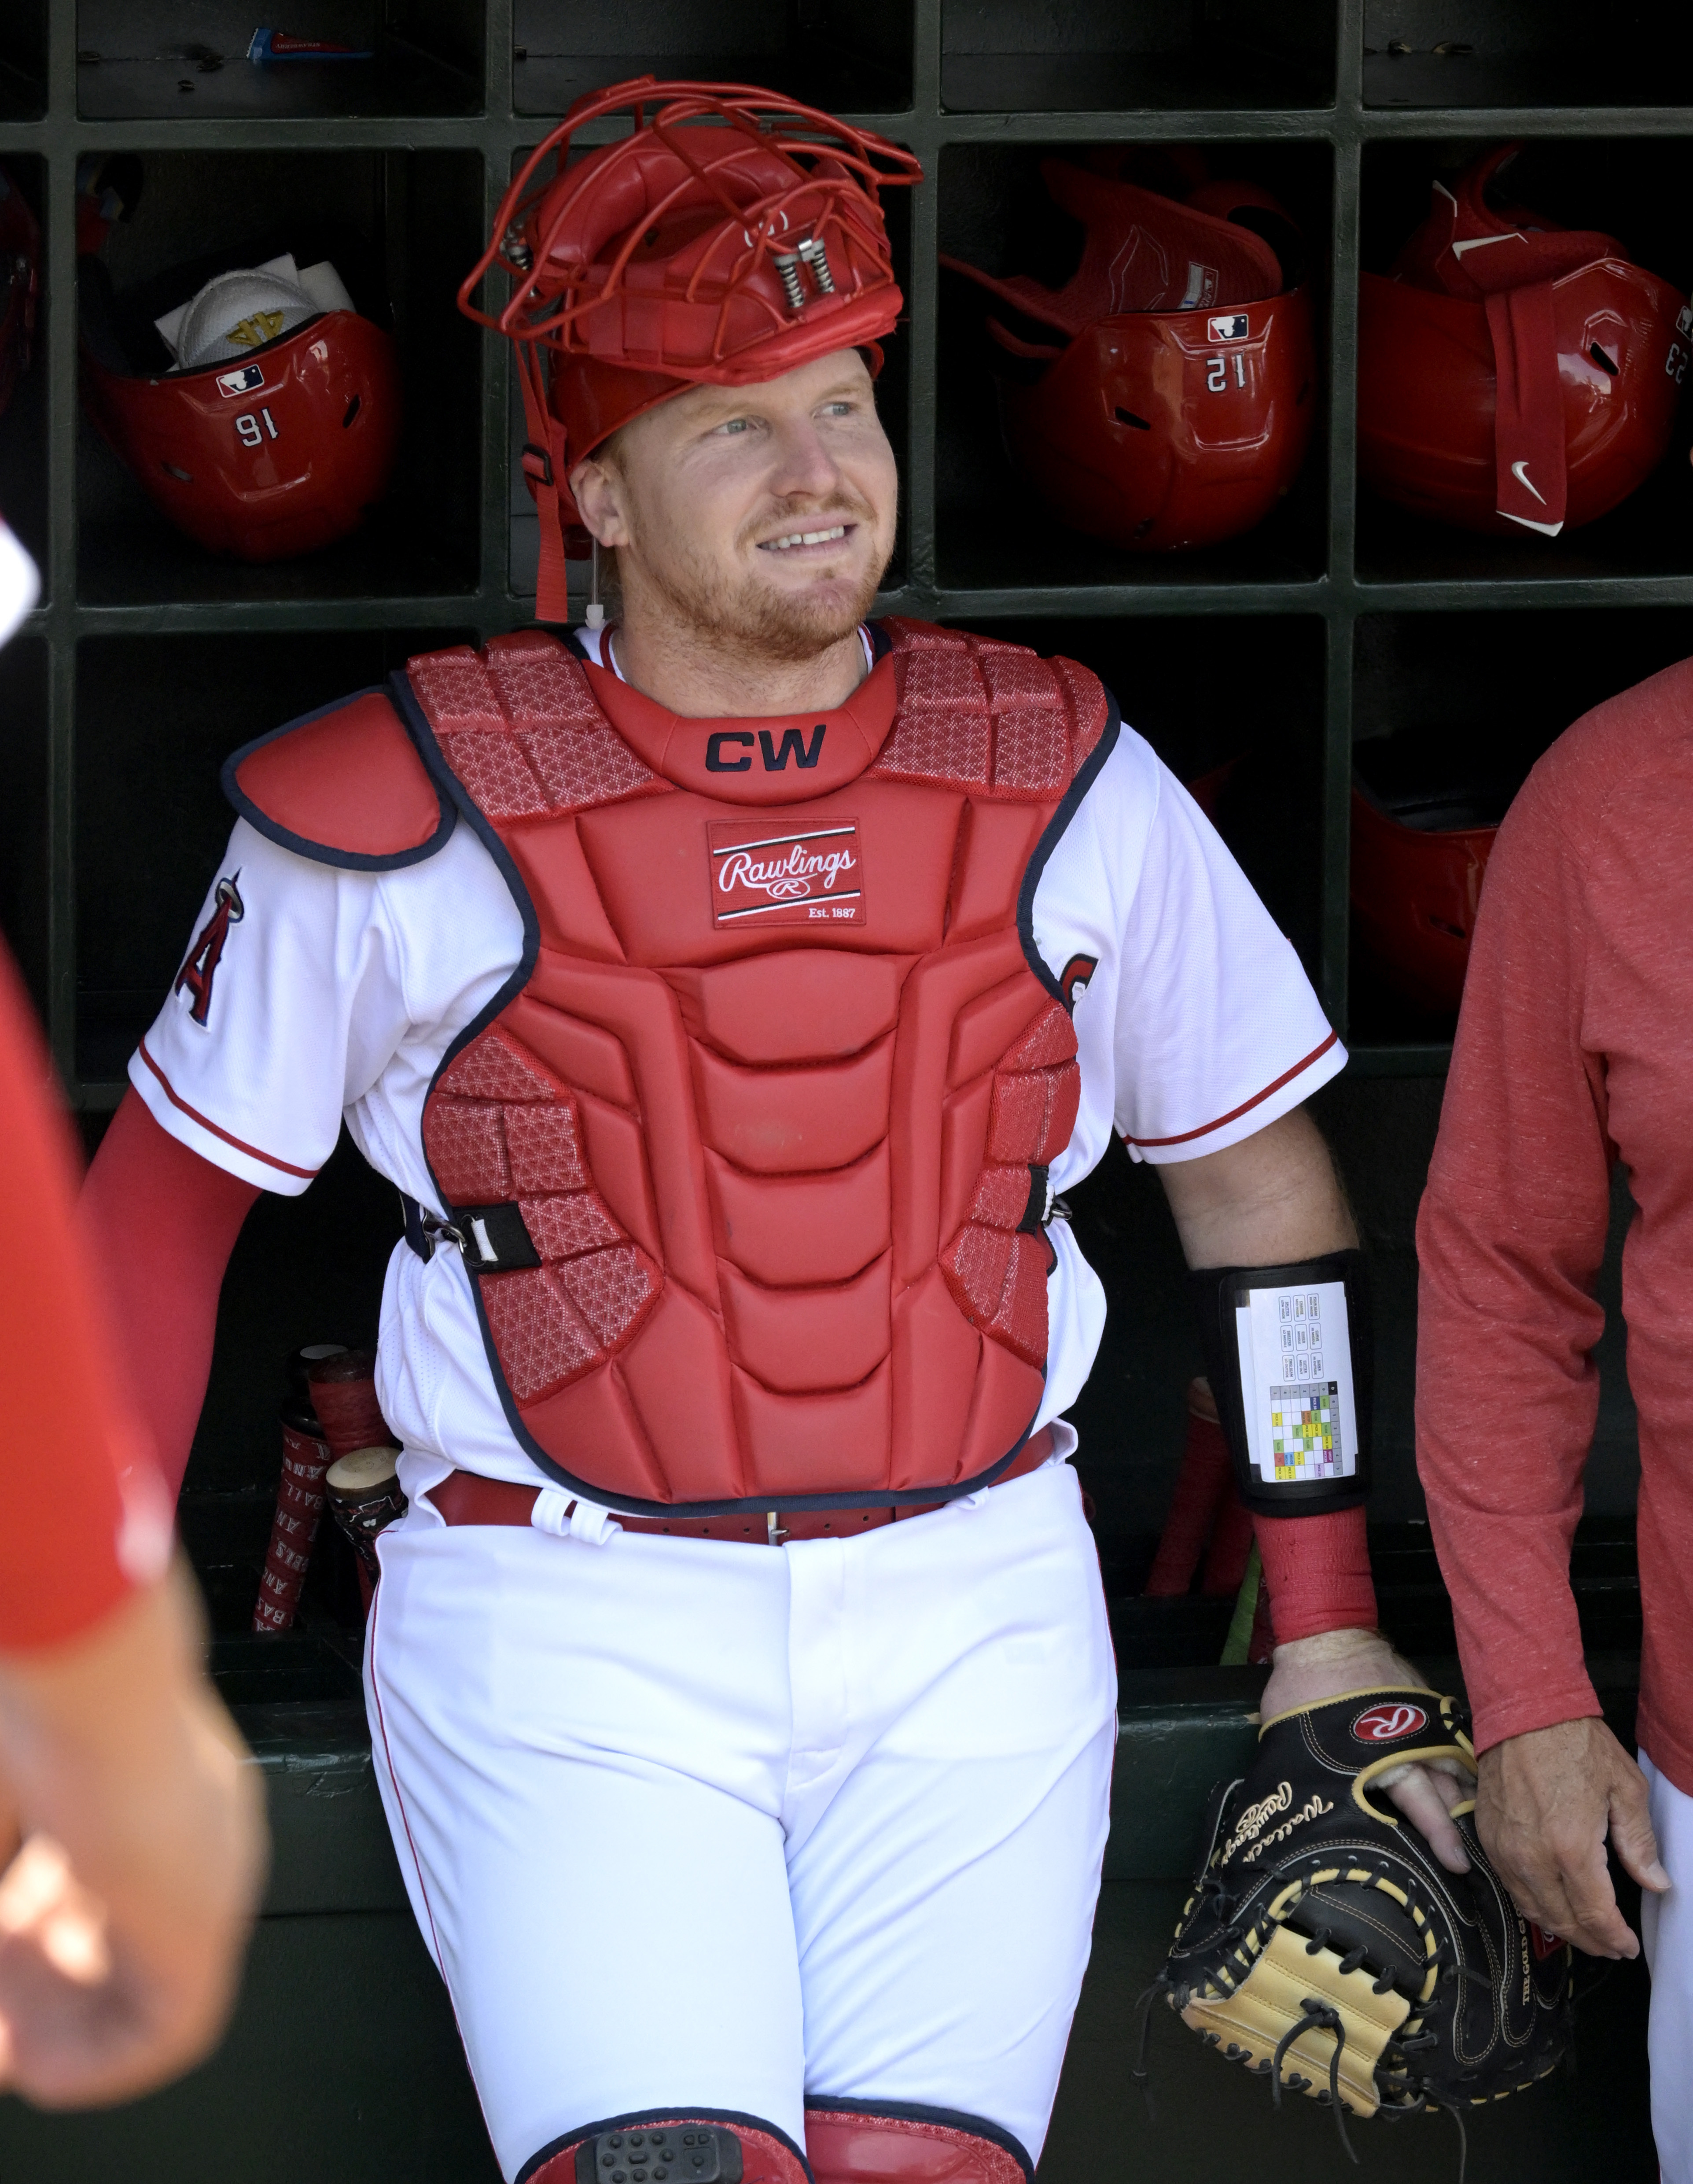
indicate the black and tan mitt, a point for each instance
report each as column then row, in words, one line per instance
column 1326, row 1947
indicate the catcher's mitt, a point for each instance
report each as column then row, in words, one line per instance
column 1325, row 1947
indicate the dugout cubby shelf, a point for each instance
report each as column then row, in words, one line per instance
column 1483, row 694
column 157, row 717
column 851, row 56
column 23, row 61
column 188, row 60
column 23, row 421
column 1507, row 53
column 1623, row 187
column 1095, row 56
column 992, row 534
column 388, row 219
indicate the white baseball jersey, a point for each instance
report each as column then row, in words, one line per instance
column 19, row 583
column 337, row 994
column 854, row 1789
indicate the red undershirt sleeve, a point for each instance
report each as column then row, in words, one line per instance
column 162, row 1222
column 1510, row 1238
column 82, row 1515
column 1317, row 1570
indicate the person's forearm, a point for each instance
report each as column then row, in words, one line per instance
column 162, row 1223
column 1270, row 1200
column 1505, row 1403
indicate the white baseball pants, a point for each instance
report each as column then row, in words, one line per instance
column 692, row 1825
column 1667, row 1933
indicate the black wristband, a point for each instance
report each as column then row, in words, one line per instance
column 1310, row 1399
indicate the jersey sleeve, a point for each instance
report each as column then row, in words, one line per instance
column 83, row 1513
column 289, row 1002
column 1217, row 1031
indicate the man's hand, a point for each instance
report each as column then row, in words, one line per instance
column 1546, row 1802
column 1312, row 1669
column 123, row 1917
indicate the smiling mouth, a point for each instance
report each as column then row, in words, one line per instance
column 790, row 541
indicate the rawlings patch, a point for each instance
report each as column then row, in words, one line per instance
column 806, row 876
column 201, row 966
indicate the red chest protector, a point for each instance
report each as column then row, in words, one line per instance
column 748, row 1157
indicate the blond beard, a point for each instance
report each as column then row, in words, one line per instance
column 741, row 618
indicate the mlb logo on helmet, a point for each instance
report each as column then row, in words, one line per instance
column 1386, row 1724
column 248, row 381
column 1231, row 325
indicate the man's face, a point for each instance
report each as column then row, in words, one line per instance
column 763, row 516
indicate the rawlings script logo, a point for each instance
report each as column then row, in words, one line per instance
column 1250, row 1826
column 1386, row 1724
column 810, row 877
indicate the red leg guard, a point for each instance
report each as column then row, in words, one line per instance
column 915, row 2146
column 663, row 2149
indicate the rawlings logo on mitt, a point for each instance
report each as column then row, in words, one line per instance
column 1327, row 1948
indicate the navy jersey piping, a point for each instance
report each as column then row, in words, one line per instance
column 637, row 2118
column 1055, row 829
column 446, row 780
column 916, row 2112
column 322, row 853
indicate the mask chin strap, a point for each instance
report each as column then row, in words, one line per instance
column 543, row 465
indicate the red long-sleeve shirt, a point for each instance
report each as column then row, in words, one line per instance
column 1574, row 1049
column 83, row 1514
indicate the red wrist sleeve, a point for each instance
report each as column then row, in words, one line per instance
column 1317, row 1573
column 162, row 1222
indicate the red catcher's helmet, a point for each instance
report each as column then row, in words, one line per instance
column 20, row 252
column 269, row 447
column 1422, row 836
column 1512, row 373
column 1178, row 407
column 731, row 237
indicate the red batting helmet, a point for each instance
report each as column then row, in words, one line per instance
column 731, row 237
column 1512, row 373
column 20, row 251
column 1423, row 830
column 264, row 418
column 1177, row 409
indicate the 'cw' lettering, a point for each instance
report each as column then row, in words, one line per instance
column 793, row 746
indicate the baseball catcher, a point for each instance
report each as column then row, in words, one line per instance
column 731, row 988
column 1324, row 1945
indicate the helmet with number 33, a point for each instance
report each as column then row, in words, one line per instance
column 261, row 416
column 1175, row 409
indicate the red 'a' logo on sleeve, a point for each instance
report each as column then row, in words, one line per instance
column 200, row 969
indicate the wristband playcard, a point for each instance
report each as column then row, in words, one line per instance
column 1296, row 1384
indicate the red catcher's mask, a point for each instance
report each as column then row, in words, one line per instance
column 20, row 251
column 1175, row 409
column 731, row 237
column 1512, row 374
